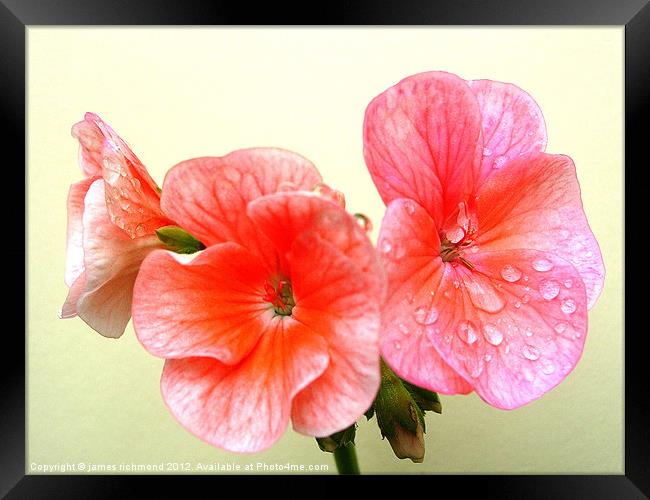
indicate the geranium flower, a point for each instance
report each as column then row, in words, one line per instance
column 112, row 217
column 490, row 260
column 277, row 319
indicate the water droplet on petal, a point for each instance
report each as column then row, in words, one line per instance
column 510, row 273
column 456, row 283
column 488, row 357
column 547, row 367
column 119, row 222
column 487, row 152
column 568, row 306
column 492, row 334
column 111, row 171
column 561, row 327
column 397, row 345
column 528, row 332
column 385, row 246
column 517, row 304
column 525, row 299
column 474, row 249
column 467, row 332
column 499, row 161
column 542, row 265
column 409, row 207
column 140, row 230
column 424, row 317
column 530, row 352
column 549, row 289
column 403, row 328
column 568, row 283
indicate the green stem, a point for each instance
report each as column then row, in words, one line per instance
column 346, row 459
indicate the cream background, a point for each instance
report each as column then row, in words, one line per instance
column 180, row 93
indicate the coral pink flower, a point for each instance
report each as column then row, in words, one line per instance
column 112, row 216
column 277, row 319
column 490, row 261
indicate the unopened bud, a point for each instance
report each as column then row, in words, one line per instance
column 178, row 240
column 400, row 419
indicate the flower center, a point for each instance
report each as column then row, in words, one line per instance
column 457, row 235
column 280, row 296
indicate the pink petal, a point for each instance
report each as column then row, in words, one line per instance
column 512, row 331
column 132, row 198
column 410, row 250
column 111, row 260
column 512, row 123
column 283, row 217
column 74, row 258
column 246, row 407
column 422, row 141
column 208, row 196
column 211, row 306
column 69, row 308
column 333, row 300
column 534, row 202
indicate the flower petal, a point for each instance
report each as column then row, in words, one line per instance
column 245, row 407
column 512, row 124
column 212, row 306
column 74, row 255
column 131, row 194
column 208, row 196
column 534, row 202
column 422, row 141
column 69, row 308
column 333, row 300
column 511, row 330
column 111, row 261
column 283, row 217
column 410, row 251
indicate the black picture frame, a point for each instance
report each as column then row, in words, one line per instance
column 16, row 15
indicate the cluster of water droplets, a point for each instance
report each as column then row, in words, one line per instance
column 121, row 189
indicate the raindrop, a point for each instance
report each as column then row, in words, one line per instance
column 488, row 357
column 542, row 265
column 409, row 207
column 467, row 332
column 517, row 305
column 119, row 222
column 456, row 283
column 525, row 299
column 492, row 334
column 487, row 152
column 397, row 345
column 530, row 352
column 474, row 249
column 111, row 171
column 529, row 332
column 447, row 339
column 568, row 283
column 385, row 246
column 549, row 289
column 403, row 328
column 547, row 367
column 561, row 327
column 499, row 161
column 568, row 306
column 510, row 273
column 140, row 230
column 424, row 317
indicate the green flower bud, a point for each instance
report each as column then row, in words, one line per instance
column 399, row 417
column 178, row 240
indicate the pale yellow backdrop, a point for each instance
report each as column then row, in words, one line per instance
column 180, row 93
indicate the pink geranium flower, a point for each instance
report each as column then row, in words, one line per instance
column 277, row 319
column 112, row 217
column 490, row 260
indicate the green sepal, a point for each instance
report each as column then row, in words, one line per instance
column 370, row 412
column 339, row 439
column 426, row 400
column 178, row 240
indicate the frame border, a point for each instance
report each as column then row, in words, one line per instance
column 16, row 15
